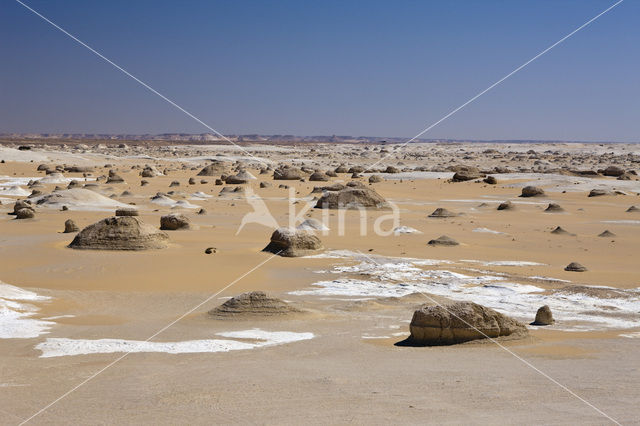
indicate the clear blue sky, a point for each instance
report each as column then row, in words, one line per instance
column 375, row 68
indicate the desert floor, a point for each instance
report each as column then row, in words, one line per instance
column 353, row 370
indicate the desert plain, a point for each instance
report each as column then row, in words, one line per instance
column 136, row 337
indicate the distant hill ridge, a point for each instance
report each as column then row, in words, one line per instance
column 209, row 137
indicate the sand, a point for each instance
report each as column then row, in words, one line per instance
column 350, row 370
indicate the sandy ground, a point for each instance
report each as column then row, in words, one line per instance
column 352, row 371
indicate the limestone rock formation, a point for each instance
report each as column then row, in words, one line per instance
column 288, row 173
column 289, row 242
column 127, row 212
column 543, row 316
column 70, row 226
column 507, row 205
column 114, row 177
column 319, row 177
column 532, row 191
column 554, row 208
column 120, row 233
column 461, row 322
column 216, row 168
column 606, row 234
column 465, row 173
column 443, row 240
column 255, row 303
column 25, row 213
column 352, row 198
column 575, row 267
column 442, row 212
column 174, row 222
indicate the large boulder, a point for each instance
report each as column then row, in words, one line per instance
column 120, row 233
column 352, row 198
column 461, row 322
column 289, row 242
column 255, row 303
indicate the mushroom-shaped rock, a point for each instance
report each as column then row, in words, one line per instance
column 255, row 303
column 174, row 222
column 543, row 316
column 575, row 267
column 532, row 191
column 289, row 242
column 461, row 322
column 70, row 226
column 120, row 233
column 442, row 212
column 352, row 198
column 443, row 240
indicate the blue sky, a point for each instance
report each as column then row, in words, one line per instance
column 375, row 68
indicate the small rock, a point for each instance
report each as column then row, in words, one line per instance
column 575, row 267
column 543, row 316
